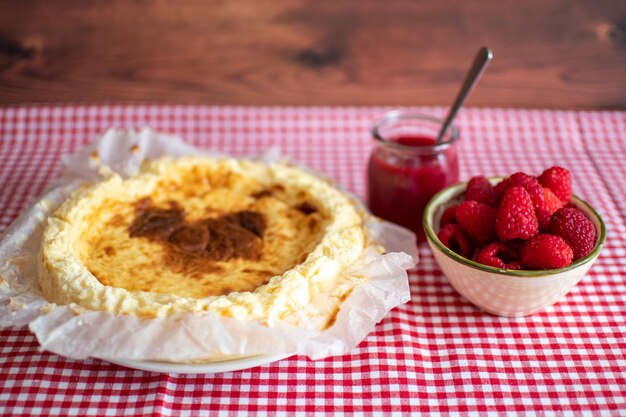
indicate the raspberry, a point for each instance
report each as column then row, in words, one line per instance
column 558, row 180
column 448, row 216
column 530, row 184
column 478, row 221
column 576, row 229
column 547, row 252
column 516, row 216
column 498, row 255
column 480, row 189
column 453, row 237
column 515, row 245
column 551, row 204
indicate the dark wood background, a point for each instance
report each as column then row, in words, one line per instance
column 549, row 54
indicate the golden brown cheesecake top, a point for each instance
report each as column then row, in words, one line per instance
column 240, row 238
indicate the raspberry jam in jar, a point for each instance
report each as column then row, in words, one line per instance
column 406, row 168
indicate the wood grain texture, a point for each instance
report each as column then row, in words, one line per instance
column 551, row 54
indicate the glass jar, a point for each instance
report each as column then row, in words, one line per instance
column 406, row 168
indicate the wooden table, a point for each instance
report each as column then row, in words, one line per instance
column 558, row 54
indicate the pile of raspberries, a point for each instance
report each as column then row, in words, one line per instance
column 523, row 222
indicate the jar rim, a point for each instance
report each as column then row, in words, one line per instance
column 397, row 115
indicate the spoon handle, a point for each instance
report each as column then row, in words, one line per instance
column 483, row 57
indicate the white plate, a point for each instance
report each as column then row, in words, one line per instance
column 200, row 368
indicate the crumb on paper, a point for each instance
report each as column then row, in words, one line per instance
column 358, row 276
column 16, row 305
column 48, row 308
column 134, row 148
column 94, row 156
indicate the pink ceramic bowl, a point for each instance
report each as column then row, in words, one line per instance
column 505, row 292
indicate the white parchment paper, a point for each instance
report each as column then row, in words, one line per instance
column 78, row 333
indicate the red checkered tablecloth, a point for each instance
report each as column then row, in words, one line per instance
column 435, row 355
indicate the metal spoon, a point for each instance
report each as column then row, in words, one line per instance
column 483, row 57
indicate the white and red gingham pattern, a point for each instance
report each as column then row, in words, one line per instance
column 436, row 355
